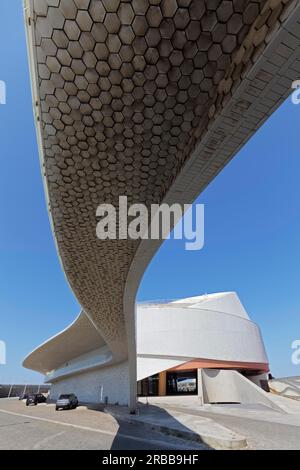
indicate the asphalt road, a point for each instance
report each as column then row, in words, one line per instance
column 41, row 427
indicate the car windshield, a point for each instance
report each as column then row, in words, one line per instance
column 65, row 396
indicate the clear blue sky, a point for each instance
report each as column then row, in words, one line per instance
column 252, row 229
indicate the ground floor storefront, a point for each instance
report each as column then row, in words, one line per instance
column 169, row 383
column 186, row 379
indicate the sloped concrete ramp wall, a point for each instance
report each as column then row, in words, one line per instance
column 229, row 386
column 286, row 386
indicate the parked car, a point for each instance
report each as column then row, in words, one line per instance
column 23, row 396
column 35, row 399
column 67, row 402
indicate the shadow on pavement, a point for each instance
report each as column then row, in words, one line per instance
column 158, row 423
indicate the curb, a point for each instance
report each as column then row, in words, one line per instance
column 234, row 442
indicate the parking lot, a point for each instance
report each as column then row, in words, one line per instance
column 41, row 427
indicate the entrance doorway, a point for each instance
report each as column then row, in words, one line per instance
column 182, row 382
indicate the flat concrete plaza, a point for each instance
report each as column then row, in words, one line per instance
column 263, row 428
column 41, row 427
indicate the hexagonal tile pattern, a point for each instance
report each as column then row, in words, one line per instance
column 127, row 91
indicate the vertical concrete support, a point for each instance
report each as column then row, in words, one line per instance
column 200, row 386
column 132, row 388
column 162, row 384
column 129, row 306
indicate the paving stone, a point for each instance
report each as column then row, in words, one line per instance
column 154, row 16
column 99, row 33
column 112, row 22
column 55, row 18
column 140, row 7
column 72, row 30
column 140, row 25
column 125, row 13
column 41, row 7
column 229, row 43
column 53, row 64
column 168, row 8
column 225, row 11
column 126, row 34
column 60, row 39
column 82, row 4
column 111, row 5
column 84, row 20
column 68, row 9
column 181, row 18
column 75, row 50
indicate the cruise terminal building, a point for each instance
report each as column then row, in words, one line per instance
column 179, row 344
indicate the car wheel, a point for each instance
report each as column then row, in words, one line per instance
column 56, row 408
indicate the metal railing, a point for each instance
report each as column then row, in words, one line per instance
column 15, row 390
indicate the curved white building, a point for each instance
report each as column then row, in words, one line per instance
column 174, row 341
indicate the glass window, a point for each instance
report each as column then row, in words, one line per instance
column 182, row 382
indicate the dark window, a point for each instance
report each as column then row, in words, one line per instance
column 182, row 383
column 148, row 387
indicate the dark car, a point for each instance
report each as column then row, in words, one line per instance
column 23, row 396
column 35, row 399
column 67, row 402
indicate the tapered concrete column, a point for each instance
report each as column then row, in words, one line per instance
column 129, row 308
column 132, row 394
column 200, row 386
column 162, row 384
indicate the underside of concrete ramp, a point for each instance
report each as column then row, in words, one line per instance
column 150, row 100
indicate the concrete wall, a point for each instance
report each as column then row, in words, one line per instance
column 226, row 302
column 229, row 386
column 175, row 332
column 147, row 366
column 96, row 358
column 258, row 379
column 94, row 386
column 286, row 386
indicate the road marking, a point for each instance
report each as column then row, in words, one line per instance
column 47, row 439
column 101, row 431
column 13, row 424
